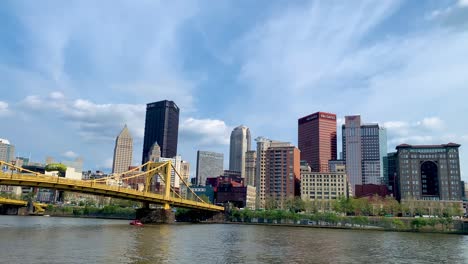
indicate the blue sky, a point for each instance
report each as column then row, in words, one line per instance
column 72, row 74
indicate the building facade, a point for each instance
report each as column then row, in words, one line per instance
column 185, row 171
column 176, row 162
column 154, row 152
column 123, row 151
column 364, row 150
column 282, row 177
column 428, row 172
column 323, row 185
column 250, row 165
column 161, row 126
column 317, row 140
column 240, row 144
column 7, row 151
column 209, row 164
column 263, row 144
column 337, row 166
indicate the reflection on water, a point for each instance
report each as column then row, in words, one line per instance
column 71, row 240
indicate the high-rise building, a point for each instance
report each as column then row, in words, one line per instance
column 240, row 144
column 317, row 140
column 161, row 126
column 428, row 172
column 282, row 177
column 260, row 171
column 250, row 161
column 154, row 153
column 123, row 151
column 7, row 151
column 364, row 150
column 209, row 164
column 185, row 171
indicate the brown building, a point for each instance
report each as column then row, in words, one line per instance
column 317, row 140
column 282, row 173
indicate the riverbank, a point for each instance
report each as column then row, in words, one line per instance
column 357, row 228
column 339, row 221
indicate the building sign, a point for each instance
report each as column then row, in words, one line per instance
column 321, row 115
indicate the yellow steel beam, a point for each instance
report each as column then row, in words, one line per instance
column 53, row 182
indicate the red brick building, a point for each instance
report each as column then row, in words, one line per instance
column 282, row 172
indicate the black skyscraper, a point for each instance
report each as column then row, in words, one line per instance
column 161, row 125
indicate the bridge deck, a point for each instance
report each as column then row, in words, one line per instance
column 52, row 182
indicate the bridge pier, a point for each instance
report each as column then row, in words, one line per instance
column 155, row 216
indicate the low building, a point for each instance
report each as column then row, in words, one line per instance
column 323, row 185
column 337, row 165
column 251, row 197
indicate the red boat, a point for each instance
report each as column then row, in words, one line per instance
column 136, row 223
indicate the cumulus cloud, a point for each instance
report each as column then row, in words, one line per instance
column 206, row 132
column 70, row 154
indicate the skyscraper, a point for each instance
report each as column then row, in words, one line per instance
column 240, row 144
column 154, row 153
column 123, row 151
column 161, row 126
column 364, row 150
column 428, row 172
column 317, row 140
column 250, row 161
column 209, row 164
column 7, row 151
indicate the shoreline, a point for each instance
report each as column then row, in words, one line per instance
column 379, row 229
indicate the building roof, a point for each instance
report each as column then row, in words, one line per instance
column 451, row 144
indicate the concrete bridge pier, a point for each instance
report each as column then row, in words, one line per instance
column 155, row 216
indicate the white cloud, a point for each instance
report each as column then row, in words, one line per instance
column 3, row 108
column 56, row 95
column 70, row 154
column 434, row 123
column 463, row 3
column 205, row 132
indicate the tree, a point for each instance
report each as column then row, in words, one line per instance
column 62, row 169
column 295, row 204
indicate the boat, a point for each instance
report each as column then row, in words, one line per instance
column 136, row 223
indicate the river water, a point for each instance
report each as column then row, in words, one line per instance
column 73, row 240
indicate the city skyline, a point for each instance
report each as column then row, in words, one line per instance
column 362, row 70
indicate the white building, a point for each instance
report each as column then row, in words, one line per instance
column 7, row 151
column 176, row 162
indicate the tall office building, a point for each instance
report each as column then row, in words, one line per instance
column 123, row 151
column 317, row 140
column 282, row 177
column 263, row 144
column 364, row 150
column 240, row 144
column 161, row 126
column 185, row 171
column 7, row 151
column 428, row 172
column 209, row 164
column 250, row 161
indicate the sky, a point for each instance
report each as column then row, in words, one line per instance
column 73, row 73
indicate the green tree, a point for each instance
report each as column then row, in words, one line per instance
column 62, row 169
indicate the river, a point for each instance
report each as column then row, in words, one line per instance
column 75, row 240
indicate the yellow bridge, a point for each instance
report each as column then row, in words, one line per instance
column 148, row 173
column 38, row 207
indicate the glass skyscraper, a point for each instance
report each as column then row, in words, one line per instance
column 161, row 126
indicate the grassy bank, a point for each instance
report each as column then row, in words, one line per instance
column 109, row 211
